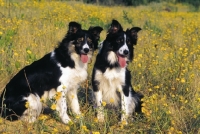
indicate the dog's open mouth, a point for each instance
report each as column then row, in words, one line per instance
column 84, row 58
column 121, row 60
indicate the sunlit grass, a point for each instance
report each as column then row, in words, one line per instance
column 166, row 66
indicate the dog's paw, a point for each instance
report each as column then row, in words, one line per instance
column 29, row 119
column 100, row 117
column 65, row 119
column 124, row 120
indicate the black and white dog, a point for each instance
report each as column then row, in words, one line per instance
column 111, row 80
column 58, row 72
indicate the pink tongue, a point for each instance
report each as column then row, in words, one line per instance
column 122, row 61
column 84, row 58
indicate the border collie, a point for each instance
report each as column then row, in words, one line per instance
column 111, row 80
column 59, row 73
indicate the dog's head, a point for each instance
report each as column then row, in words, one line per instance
column 122, row 42
column 82, row 42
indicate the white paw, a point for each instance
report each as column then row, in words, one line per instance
column 77, row 112
column 100, row 117
column 28, row 119
column 65, row 119
column 124, row 120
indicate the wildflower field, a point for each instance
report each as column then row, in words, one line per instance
column 165, row 69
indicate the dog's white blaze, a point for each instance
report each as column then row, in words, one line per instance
column 112, row 58
column 124, row 47
column 86, row 46
column 34, row 108
column 100, row 46
column 110, row 84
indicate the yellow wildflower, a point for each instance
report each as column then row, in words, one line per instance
column 63, row 86
column 53, row 107
column 95, row 132
column 123, row 122
column 95, row 120
column 67, row 128
column 77, row 117
column 55, row 130
column 104, row 103
column 58, row 95
column 84, row 128
column 16, row 54
column 173, row 88
column 182, row 80
column 1, row 120
column 29, row 51
column 42, row 117
column 42, row 100
column 71, row 123
column 140, row 55
column 111, row 100
column 27, row 104
column 156, row 87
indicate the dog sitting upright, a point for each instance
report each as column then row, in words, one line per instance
column 111, row 80
column 58, row 72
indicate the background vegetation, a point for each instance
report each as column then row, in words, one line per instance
column 166, row 67
column 194, row 3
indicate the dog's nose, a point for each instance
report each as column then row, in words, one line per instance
column 86, row 50
column 125, row 52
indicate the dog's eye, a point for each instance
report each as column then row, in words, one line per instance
column 128, row 41
column 118, row 40
column 89, row 40
column 79, row 40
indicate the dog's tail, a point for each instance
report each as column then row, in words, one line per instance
column 138, row 97
column 137, row 100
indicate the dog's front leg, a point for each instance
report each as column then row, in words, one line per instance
column 61, row 107
column 100, row 109
column 125, row 108
column 73, row 101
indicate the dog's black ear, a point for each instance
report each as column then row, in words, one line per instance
column 133, row 32
column 73, row 27
column 95, row 31
column 115, row 27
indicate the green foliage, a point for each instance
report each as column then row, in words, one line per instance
column 149, row 26
column 126, row 18
column 60, row 24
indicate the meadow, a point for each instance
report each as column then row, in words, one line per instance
column 165, row 69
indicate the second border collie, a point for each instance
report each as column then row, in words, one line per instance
column 111, row 80
column 55, row 76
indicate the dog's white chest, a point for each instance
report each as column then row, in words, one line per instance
column 72, row 77
column 111, row 82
